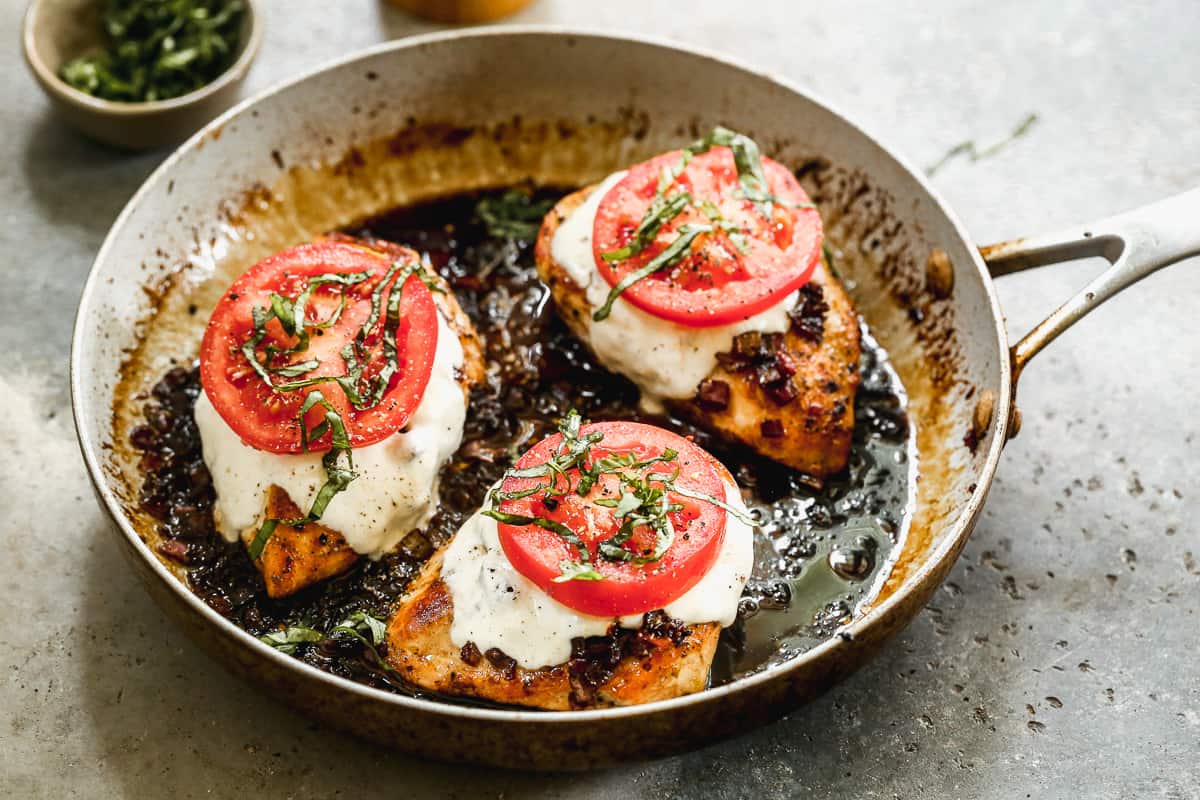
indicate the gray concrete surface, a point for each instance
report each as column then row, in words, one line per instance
column 1059, row 661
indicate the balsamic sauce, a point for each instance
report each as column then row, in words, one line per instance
column 824, row 547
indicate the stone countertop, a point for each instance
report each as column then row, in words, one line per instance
column 1059, row 659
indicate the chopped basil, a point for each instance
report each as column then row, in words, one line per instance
column 645, row 499
column 671, row 255
column 338, row 462
column 747, row 159
column 337, row 475
column 663, row 208
column 661, row 211
column 289, row 639
column 261, row 536
column 512, row 215
column 569, row 536
column 292, row 318
column 158, row 49
column 576, row 571
column 297, row 369
column 626, row 504
column 571, row 454
column 736, row 233
column 741, row 516
column 368, row 630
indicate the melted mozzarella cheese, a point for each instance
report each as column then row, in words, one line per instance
column 496, row 606
column 396, row 487
column 664, row 359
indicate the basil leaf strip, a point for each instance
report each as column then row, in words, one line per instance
column 645, row 499
column 520, row 520
column 747, row 159
column 512, row 215
column 740, row 515
column 337, row 475
column 671, row 255
column 286, row 641
column 370, row 631
column 338, row 462
column 576, row 571
column 292, row 318
column 658, row 214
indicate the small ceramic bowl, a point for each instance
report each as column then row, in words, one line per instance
column 56, row 31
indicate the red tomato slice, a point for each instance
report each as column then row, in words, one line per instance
column 718, row 282
column 627, row 587
column 267, row 419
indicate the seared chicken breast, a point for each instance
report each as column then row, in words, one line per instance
column 297, row 557
column 658, row 662
column 789, row 396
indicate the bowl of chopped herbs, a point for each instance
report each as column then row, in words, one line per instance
column 140, row 74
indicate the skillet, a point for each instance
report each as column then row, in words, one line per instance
column 466, row 110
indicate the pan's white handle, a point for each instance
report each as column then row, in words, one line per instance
column 1135, row 243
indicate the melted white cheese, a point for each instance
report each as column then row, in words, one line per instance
column 496, row 606
column 664, row 359
column 396, row 488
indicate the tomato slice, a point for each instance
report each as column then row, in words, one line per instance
column 623, row 586
column 268, row 419
column 745, row 265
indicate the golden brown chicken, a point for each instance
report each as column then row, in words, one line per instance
column 663, row 660
column 789, row 396
column 297, row 557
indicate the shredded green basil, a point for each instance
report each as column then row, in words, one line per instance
column 740, row 515
column 747, row 159
column 642, row 503
column 289, row 640
column 338, row 475
column 512, row 215
column 665, row 207
column 644, row 500
column 576, row 571
column 662, row 209
column 368, row 630
column 292, row 316
column 158, row 49
column 671, row 255
column 338, row 461
column 521, row 520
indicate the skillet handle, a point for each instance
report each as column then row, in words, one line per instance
column 1135, row 244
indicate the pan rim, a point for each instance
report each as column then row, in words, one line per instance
column 877, row 615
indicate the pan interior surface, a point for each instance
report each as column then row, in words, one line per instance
column 454, row 113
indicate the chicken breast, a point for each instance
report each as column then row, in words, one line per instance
column 789, row 396
column 661, row 661
column 298, row 557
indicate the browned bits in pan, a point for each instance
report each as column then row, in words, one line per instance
column 939, row 274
